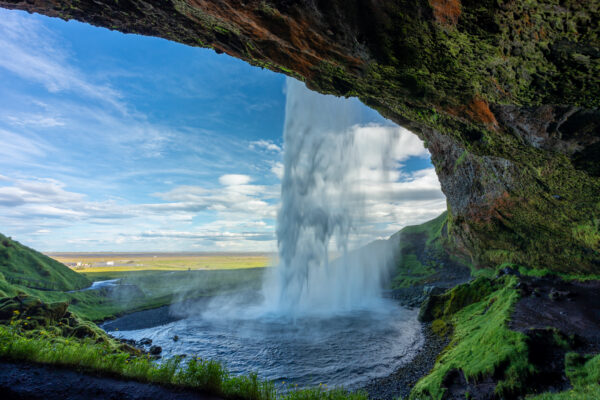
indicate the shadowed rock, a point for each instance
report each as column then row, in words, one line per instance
column 504, row 93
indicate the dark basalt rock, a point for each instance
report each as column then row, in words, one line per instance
column 504, row 94
column 144, row 342
column 155, row 350
column 569, row 308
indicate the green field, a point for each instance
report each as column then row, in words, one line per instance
column 145, row 280
column 114, row 265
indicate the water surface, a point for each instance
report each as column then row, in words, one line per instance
column 345, row 349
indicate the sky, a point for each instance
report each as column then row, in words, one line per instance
column 113, row 142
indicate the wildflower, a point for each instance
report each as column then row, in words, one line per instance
column 16, row 312
column 28, row 317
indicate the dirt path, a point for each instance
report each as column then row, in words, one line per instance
column 29, row 381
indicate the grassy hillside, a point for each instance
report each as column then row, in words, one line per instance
column 142, row 290
column 21, row 265
column 424, row 257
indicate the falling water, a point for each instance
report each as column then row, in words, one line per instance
column 321, row 204
column 343, row 332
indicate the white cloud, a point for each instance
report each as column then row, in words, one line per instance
column 35, row 120
column 266, row 145
column 237, row 214
column 277, row 169
column 234, row 179
column 20, row 147
column 34, row 53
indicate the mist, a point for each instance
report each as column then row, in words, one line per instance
column 332, row 166
column 322, row 208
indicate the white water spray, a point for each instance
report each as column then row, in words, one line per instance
column 321, row 203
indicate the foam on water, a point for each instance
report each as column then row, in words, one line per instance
column 345, row 350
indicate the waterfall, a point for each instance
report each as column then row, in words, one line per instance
column 321, row 207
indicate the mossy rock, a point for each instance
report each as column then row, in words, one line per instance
column 440, row 306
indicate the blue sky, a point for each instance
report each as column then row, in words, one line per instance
column 128, row 143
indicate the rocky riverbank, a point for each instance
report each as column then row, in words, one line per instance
column 404, row 378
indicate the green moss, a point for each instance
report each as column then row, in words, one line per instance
column 482, row 344
column 460, row 159
column 220, row 29
column 425, row 252
column 65, row 340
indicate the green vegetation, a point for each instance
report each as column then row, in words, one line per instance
column 208, row 376
column 92, row 266
column 584, row 374
column 414, row 241
column 49, row 334
column 20, row 265
column 424, row 254
column 164, row 279
column 57, row 329
column 547, row 272
column 143, row 290
column 482, row 343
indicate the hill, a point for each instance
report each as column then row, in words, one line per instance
column 425, row 257
column 21, row 265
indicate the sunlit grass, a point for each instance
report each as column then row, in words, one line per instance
column 482, row 340
column 193, row 373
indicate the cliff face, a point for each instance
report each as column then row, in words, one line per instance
column 504, row 92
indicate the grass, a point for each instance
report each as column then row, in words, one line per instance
column 211, row 377
column 156, row 289
column 584, row 374
column 482, row 344
column 542, row 272
column 149, row 281
column 423, row 253
column 21, row 265
column 194, row 373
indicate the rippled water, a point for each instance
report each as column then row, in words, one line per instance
column 347, row 349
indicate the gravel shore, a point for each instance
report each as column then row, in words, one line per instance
column 401, row 381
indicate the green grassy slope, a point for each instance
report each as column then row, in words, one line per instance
column 424, row 256
column 21, row 265
column 152, row 289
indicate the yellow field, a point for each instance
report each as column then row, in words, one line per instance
column 129, row 263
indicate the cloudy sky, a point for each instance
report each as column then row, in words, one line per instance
column 112, row 142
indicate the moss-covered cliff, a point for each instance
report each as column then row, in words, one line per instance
column 505, row 93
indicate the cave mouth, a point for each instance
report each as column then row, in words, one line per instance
column 187, row 155
column 128, row 131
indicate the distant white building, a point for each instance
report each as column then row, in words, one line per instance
column 110, row 263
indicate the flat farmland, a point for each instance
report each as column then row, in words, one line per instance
column 118, row 264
